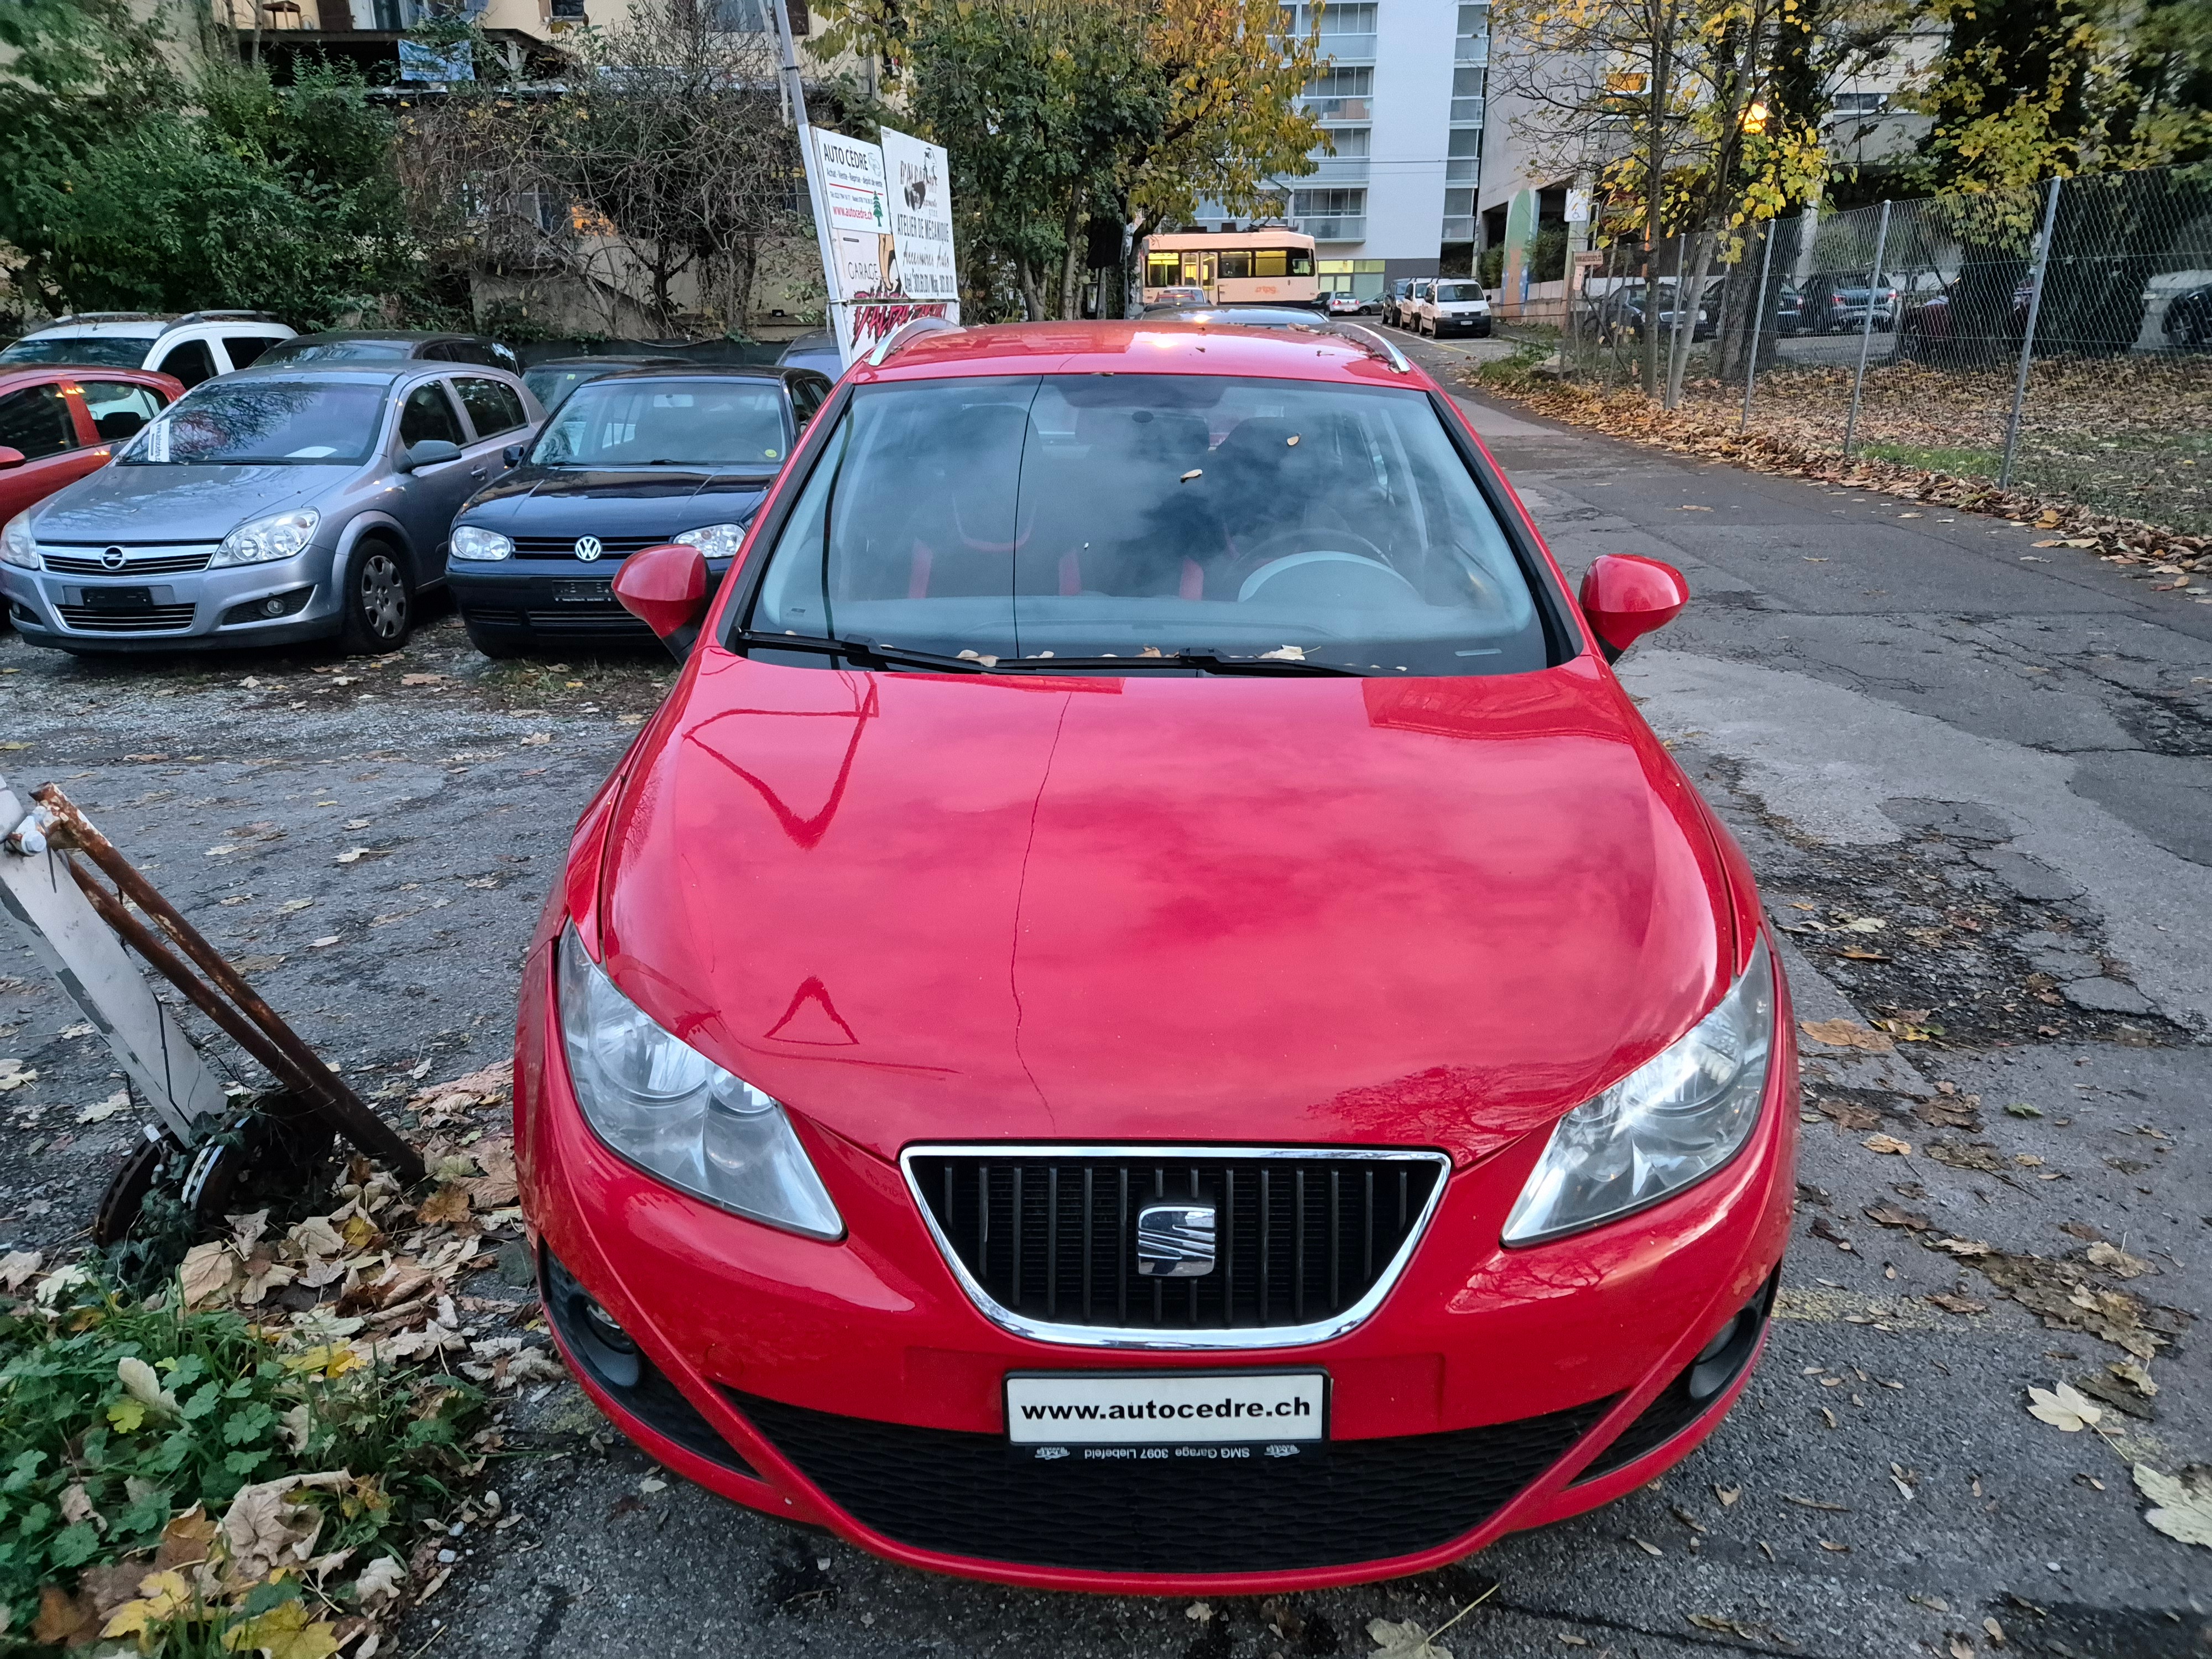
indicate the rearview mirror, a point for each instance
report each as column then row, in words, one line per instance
column 429, row 452
column 1626, row 597
column 511, row 455
column 10, row 458
column 665, row 587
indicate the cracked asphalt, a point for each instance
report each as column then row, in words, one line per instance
column 1972, row 776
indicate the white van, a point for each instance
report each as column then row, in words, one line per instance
column 196, row 347
column 1450, row 305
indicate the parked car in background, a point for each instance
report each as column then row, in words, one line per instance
column 195, row 347
column 2187, row 325
column 58, row 424
column 557, row 376
column 818, row 352
column 271, row 506
column 382, row 346
column 1620, row 315
column 1451, row 306
column 626, row 462
column 1835, row 304
column 1238, row 316
column 1788, row 311
column 1170, row 299
column 1393, row 298
column 1284, row 1185
column 1408, row 310
column 1347, row 305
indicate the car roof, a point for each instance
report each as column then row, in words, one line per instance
column 711, row 371
column 12, row 374
column 588, row 359
column 135, row 328
column 385, row 372
column 384, row 334
column 1151, row 346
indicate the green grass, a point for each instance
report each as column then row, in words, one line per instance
column 1960, row 462
column 1510, row 374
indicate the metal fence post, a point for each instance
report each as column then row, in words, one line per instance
column 2027, row 340
column 1758, row 316
column 1866, row 334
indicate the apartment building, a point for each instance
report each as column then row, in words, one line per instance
column 1400, row 98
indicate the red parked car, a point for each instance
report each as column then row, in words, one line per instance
column 59, row 422
column 1148, row 1016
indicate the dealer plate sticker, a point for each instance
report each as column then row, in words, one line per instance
column 1141, row 1409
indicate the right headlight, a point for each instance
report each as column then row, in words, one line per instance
column 470, row 543
column 674, row 1114
column 1666, row 1126
column 17, row 547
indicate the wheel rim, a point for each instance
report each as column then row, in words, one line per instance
column 383, row 597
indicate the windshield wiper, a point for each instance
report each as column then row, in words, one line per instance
column 1208, row 662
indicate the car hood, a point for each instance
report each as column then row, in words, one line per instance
column 572, row 501
column 920, row 907
column 176, row 503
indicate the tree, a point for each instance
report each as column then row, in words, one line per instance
column 1056, row 112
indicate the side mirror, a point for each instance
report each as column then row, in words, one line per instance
column 665, row 587
column 11, row 458
column 511, row 455
column 1627, row 597
column 429, row 452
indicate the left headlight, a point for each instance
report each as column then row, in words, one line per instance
column 16, row 545
column 470, row 543
column 674, row 1112
column 1666, row 1126
column 716, row 541
column 258, row 540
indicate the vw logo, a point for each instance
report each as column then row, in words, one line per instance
column 113, row 558
column 589, row 548
column 1174, row 1241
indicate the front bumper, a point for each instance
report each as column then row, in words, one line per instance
column 1462, row 325
column 527, row 600
column 182, row 609
column 853, row 1385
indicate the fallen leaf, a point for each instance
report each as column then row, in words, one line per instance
column 1648, row 1549
column 354, row 854
column 283, row 1632
column 324, row 943
column 2062, row 1408
column 1887, row 1144
column 1848, row 1115
column 2116, row 1261
column 187, row 1541
column 1847, row 1034
column 1407, row 1639
column 447, row 1208
column 207, row 1272
column 16, row 1267
column 14, row 1074
column 532, row 739
column 1728, row 1495
column 2183, row 1506
column 295, row 904
column 101, row 1111
column 143, row 1384
column 1950, row 1303
column 380, row 1581
column 421, row 679
column 2134, row 1376
column 1896, row 1215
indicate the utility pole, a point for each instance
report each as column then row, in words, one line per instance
column 1866, row 334
column 794, row 111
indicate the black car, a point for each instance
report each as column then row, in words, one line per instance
column 386, row 345
column 557, row 376
column 2188, row 323
column 628, row 461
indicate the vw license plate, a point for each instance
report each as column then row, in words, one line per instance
column 1172, row 1408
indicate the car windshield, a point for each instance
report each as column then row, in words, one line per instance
column 341, row 351
column 550, row 386
column 263, row 422
column 1130, row 515
column 108, row 350
column 668, row 422
column 1455, row 293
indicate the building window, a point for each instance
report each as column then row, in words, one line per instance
column 1342, row 83
column 1861, row 103
column 1458, row 204
column 1328, row 203
column 1349, row 142
column 1162, row 270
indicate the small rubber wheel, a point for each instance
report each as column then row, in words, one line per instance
column 380, row 603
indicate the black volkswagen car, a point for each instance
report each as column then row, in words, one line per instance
column 628, row 461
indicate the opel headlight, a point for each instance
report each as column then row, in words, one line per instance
column 259, row 541
column 1666, row 1126
column 17, row 547
column 716, row 541
column 670, row 1110
column 470, row 543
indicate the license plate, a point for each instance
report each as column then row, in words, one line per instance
column 583, row 592
column 1169, row 1408
column 119, row 599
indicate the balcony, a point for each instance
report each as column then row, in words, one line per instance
column 1347, row 48
column 1347, row 227
column 1459, row 230
column 1467, row 112
column 1463, row 170
column 1325, row 110
column 1335, row 170
column 1472, row 49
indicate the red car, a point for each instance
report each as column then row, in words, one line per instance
column 58, row 422
column 1031, row 1068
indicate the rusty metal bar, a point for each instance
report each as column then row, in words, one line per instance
column 328, row 1093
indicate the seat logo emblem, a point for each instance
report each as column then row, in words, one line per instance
column 113, row 558
column 589, row 547
column 1174, row 1241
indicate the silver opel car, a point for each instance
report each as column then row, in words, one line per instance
column 268, row 506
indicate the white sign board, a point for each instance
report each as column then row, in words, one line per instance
column 882, row 243
column 1578, row 207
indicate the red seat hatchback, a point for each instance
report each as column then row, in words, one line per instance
column 1148, row 1016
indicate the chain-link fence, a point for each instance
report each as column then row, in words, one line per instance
column 2058, row 339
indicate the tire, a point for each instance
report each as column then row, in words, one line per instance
column 379, row 604
column 497, row 647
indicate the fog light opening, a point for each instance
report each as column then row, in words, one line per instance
column 1720, row 1359
column 601, row 1325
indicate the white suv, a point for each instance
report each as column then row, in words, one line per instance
column 193, row 348
column 1450, row 305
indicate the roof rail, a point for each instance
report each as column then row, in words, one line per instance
column 905, row 332
column 1370, row 343
column 230, row 316
column 101, row 317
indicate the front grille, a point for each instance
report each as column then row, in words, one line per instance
column 136, row 562
column 587, row 619
column 974, row 1495
column 564, row 547
column 1305, row 1241
column 155, row 619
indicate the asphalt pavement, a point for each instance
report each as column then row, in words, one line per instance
column 1970, row 774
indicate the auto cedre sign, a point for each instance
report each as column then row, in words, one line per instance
column 890, row 208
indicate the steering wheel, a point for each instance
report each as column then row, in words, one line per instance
column 1288, row 548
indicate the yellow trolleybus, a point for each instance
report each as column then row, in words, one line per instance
column 1272, row 266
